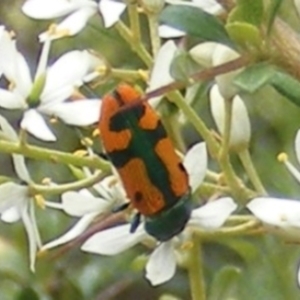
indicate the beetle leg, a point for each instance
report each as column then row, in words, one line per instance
column 135, row 222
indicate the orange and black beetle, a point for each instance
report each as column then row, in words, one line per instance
column 151, row 171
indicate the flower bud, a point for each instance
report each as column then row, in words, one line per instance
column 203, row 53
column 153, row 6
column 240, row 129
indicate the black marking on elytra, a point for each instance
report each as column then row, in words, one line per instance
column 181, row 167
column 118, row 97
column 120, row 121
column 138, row 197
column 120, row 158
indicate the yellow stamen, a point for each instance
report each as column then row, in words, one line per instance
column 46, row 181
column 12, row 34
column 54, row 31
column 96, row 132
column 187, row 245
column 40, row 201
column 101, row 69
column 113, row 181
column 143, row 74
column 282, row 157
column 80, row 153
column 86, row 141
column 53, row 120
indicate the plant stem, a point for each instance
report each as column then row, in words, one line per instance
column 251, row 171
column 195, row 270
column 154, row 37
column 127, row 75
column 139, row 48
column 59, row 189
column 132, row 8
column 54, row 156
column 199, row 125
column 224, row 161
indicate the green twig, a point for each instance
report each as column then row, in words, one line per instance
column 132, row 8
column 54, row 156
column 251, row 171
column 154, row 37
column 62, row 188
column 195, row 270
column 139, row 48
column 199, row 125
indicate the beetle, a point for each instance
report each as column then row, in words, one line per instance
column 151, row 171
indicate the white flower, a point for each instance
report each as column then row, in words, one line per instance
column 15, row 201
column 161, row 265
column 78, row 11
column 160, row 74
column 240, row 129
column 281, row 216
column 87, row 207
column 46, row 93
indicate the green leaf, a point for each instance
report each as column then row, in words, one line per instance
column 287, row 85
column 272, row 9
column 27, row 293
column 183, row 66
column 248, row 11
column 244, row 34
column 195, row 21
column 224, row 283
column 254, row 77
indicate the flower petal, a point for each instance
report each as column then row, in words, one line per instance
column 168, row 32
column 161, row 266
column 276, row 212
column 78, row 113
column 73, row 233
column 41, row 9
column 240, row 130
column 34, row 123
column 297, row 145
column 203, row 53
column 11, row 194
column 11, row 215
column 59, row 75
column 160, row 74
column 114, row 240
column 111, row 11
column 11, row 100
column 71, row 25
column 195, row 163
column 209, row 6
column 221, row 55
column 213, row 214
column 19, row 160
column 31, row 231
column 76, row 204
